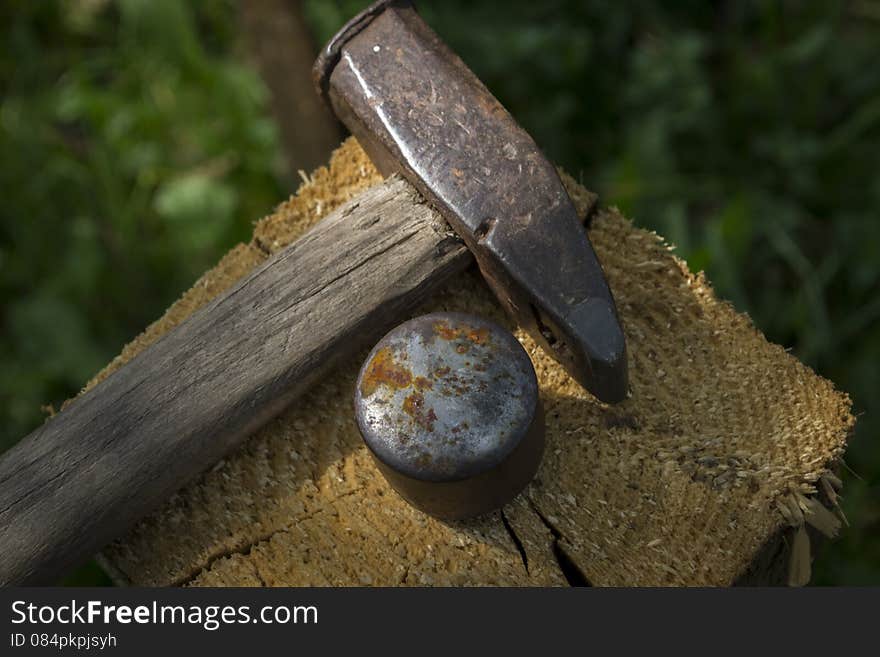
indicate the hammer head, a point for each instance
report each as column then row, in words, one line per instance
column 419, row 111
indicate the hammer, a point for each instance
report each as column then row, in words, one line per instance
column 116, row 452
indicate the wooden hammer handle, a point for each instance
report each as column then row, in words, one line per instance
column 89, row 473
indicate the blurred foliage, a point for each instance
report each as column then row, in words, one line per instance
column 136, row 149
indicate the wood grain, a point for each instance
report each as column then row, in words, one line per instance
column 90, row 472
column 688, row 482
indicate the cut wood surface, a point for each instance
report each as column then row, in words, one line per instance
column 708, row 474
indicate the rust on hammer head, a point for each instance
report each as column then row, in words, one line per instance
column 418, row 110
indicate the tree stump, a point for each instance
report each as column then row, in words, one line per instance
column 711, row 473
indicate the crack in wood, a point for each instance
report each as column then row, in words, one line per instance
column 246, row 548
column 258, row 574
column 516, row 540
column 569, row 569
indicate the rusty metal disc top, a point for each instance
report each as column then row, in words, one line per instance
column 448, row 404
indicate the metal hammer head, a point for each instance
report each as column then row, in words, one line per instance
column 418, row 110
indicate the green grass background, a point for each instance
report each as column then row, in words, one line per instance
column 137, row 147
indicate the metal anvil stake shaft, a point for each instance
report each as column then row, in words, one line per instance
column 419, row 110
